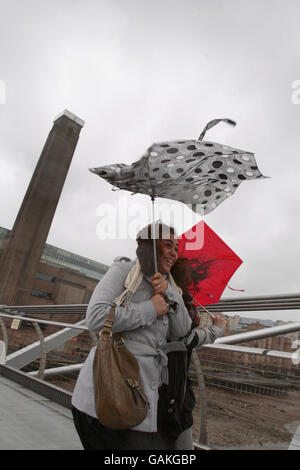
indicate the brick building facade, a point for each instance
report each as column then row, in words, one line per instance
column 22, row 247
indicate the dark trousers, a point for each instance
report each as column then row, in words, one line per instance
column 94, row 436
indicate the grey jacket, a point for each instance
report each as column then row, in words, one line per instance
column 144, row 336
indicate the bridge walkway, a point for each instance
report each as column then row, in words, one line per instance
column 29, row 421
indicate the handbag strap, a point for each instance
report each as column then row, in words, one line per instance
column 108, row 324
column 109, row 321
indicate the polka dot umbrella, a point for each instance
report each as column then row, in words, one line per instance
column 196, row 172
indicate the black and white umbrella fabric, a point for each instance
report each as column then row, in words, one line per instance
column 196, row 172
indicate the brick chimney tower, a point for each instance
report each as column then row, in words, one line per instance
column 23, row 247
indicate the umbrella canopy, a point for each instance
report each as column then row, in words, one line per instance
column 213, row 262
column 196, row 172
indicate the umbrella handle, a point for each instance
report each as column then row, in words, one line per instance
column 210, row 314
column 153, row 236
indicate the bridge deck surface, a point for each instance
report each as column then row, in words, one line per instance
column 295, row 444
column 29, row 421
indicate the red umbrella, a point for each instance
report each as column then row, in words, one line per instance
column 213, row 262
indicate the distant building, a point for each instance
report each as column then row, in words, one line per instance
column 31, row 271
column 233, row 322
column 62, row 277
column 246, row 362
column 294, row 336
column 236, row 323
column 245, row 322
column 64, row 259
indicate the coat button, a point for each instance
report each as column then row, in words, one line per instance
column 153, row 385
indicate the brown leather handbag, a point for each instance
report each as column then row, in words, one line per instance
column 119, row 397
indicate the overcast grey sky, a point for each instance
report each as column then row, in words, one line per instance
column 139, row 72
